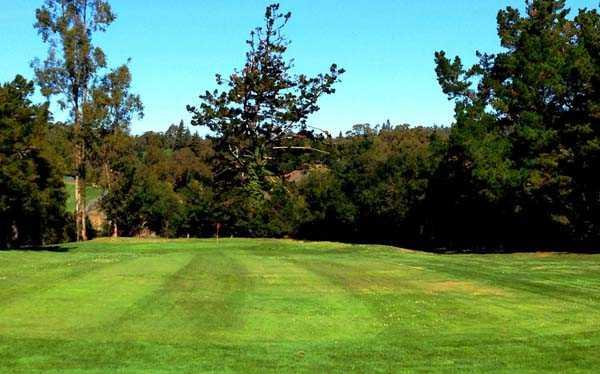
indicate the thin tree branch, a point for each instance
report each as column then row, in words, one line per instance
column 304, row 148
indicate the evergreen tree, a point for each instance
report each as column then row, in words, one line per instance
column 527, row 131
column 32, row 195
column 262, row 106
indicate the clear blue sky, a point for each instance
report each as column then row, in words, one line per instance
column 386, row 46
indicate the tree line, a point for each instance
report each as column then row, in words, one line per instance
column 515, row 170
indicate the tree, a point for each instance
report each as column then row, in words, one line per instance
column 178, row 136
column 114, row 106
column 332, row 213
column 262, row 106
column 71, row 67
column 528, row 127
column 113, row 98
column 32, row 195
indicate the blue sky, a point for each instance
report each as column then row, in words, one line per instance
column 386, row 46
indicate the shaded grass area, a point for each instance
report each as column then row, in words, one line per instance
column 92, row 194
column 256, row 305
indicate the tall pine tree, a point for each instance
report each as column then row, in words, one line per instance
column 262, row 106
column 527, row 135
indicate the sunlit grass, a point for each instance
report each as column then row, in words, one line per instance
column 251, row 305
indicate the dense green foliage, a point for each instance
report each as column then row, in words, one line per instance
column 32, row 195
column 161, row 184
column 526, row 143
column 256, row 305
column 371, row 186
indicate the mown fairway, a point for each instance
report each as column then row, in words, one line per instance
column 249, row 305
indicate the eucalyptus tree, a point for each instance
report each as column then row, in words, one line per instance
column 114, row 106
column 71, row 67
column 260, row 108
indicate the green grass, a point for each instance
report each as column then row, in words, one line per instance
column 256, row 305
column 92, row 193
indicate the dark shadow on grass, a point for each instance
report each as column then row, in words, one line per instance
column 48, row 248
column 508, row 248
column 496, row 251
column 480, row 247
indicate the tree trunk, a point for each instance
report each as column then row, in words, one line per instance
column 115, row 233
column 80, row 214
column 14, row 237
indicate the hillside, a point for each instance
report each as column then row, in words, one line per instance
column 92, row 194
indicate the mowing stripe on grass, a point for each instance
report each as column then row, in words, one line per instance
column 290, row 304
column 260, row 305
column 28, row 274
column 200, row 302
column 79, row 305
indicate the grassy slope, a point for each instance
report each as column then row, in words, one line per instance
column 247, row 305
column 92, row 193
